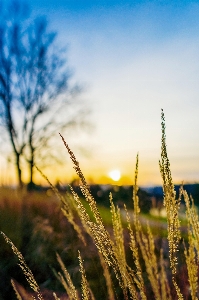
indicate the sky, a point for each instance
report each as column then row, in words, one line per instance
column 133, row 58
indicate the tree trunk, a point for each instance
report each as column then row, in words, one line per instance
column 19, row 177
column 12, row 134
column 31, row 184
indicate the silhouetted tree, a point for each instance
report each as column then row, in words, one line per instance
column 34, row 87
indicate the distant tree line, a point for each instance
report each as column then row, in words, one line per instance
column 121, row 195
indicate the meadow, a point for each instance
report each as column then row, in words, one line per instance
column 62, row 246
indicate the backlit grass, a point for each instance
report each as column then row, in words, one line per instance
column 104, row 253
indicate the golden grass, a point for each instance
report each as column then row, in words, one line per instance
column 148, row 266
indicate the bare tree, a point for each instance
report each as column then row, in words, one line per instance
column 34, row 87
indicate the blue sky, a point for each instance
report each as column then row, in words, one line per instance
column 134, row 58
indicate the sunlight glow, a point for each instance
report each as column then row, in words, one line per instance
column 115, row 175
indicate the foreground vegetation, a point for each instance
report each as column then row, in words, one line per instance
column 93, row 259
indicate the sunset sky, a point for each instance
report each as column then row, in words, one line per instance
column 134, row 58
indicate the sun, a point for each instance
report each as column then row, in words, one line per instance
column 115, row 175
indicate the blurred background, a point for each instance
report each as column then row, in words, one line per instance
column 98, row 73
column 106, row 70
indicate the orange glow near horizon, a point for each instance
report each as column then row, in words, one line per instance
column 145, row 178
column 97, row 171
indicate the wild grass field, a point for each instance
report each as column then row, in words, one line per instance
column 61, row 246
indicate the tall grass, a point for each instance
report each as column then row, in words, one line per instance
column 136, row 269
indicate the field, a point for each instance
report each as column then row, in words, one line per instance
column 35, row 224
column 77, row 249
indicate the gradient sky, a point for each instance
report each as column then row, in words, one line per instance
column 134, row 58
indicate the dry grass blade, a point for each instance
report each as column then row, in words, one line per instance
column 66, row 208
column 172, row 207
column 98, row 232
column 86, row 292
column 165, row 289
column 192, row 266
column 192, row 218
column 55, row 296
column 27, row 272
column 84, row 187
column 66, row 281
column 107, row 277
column 170, row 202
column 137, row 276
column 118, row 236
column 146, row 243
column 16, row 291
column 193, row 244
column 135, row 196
column 120, row 250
